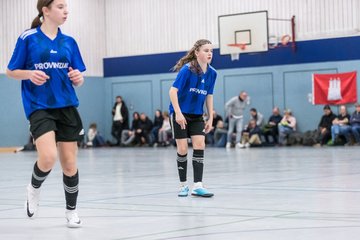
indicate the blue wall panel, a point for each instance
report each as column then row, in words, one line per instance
column 297, row 86
column 259, row 86
column 14, row 127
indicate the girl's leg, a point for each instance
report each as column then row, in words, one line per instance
column 182, row 149
column 198, row 142
column 47, row 154
column 67, row 153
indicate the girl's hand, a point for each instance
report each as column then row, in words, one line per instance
column 75, row 76
column 180, row 119
column 38, row 77
column 208, row 126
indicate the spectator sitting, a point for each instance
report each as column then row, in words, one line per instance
column 128, row 136
column 142, row 133
column 325, row 125
column 258, row 117
column 271, row 128
column 220, row 134
column 286, row 126
column 355, row 123
column 158, row 121
column 209, row 138
column 165, row 130
column 251, row 135
column 29, row 146
column 341, row 127
column 94, row 138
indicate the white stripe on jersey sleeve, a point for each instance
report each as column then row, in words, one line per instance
column 28, row 33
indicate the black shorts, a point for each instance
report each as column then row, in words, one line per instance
column 195, row 126
column 65, row 122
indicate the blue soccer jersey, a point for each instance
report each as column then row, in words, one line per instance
column 35, row 51
column 193, row 89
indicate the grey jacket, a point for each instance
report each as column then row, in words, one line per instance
column 234, row 107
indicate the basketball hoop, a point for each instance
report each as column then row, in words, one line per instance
column 235, row 56
column 241, row 46
column 285, row 39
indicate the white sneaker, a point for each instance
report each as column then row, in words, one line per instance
column 200, row 191
column 32, row 201
column 240, row 145
column 228, row 145
column 73, row 220
column 247, row 145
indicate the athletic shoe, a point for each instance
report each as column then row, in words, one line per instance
column 32, row 201
column 73, row 220
column 240, row 145
column 200, row 191
column 247, row 145
column 184, row 191
column 228, row 145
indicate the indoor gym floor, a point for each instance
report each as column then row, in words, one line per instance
column 262, row 193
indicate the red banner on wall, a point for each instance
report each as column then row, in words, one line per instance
column 336, row 88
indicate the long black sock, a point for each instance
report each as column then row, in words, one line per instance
column 198, row 164
column 71, row 187
column 38, row 176
column 182, row 166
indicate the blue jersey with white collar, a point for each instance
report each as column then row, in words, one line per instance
column 193, row 89
column 35, row 51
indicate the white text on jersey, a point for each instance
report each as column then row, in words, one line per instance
column 47, row 65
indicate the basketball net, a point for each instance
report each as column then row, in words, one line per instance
column 238, row 48
column 235, row 56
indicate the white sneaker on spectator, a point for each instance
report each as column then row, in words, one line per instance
column 73, row 220
column 247, row 145
column 228, row 145
column 240, row 145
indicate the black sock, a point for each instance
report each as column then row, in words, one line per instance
column 182, row 166
column 38, row 176
column 198, row 164
column 71, row 187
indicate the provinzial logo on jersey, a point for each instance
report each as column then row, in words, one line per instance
column 198, row 91
column 47, row 65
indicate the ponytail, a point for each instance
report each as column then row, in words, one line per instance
column 37, row 21
column 190, row 57
column 40, row 17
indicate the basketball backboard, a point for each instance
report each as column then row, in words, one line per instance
column 250, row 29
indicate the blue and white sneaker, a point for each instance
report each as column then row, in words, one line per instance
column 200, row 191
column 184, row 191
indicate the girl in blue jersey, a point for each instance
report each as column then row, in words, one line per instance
column 49, row 64
column 194, row 85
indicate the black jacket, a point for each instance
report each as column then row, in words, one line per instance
column 124, row 113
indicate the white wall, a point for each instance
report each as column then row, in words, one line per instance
column 86, row 23
column 107, row 28
column 137, row 27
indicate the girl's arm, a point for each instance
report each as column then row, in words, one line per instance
column 37, row 77
column 180, row 119
column 210, row 108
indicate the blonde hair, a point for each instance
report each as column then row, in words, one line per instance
column 190, row 57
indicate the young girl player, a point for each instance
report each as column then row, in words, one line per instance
column 193, row 86
column 49, row 64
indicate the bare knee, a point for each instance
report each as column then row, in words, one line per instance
column 182, row 147
column 47, row 160
column 199, row 146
